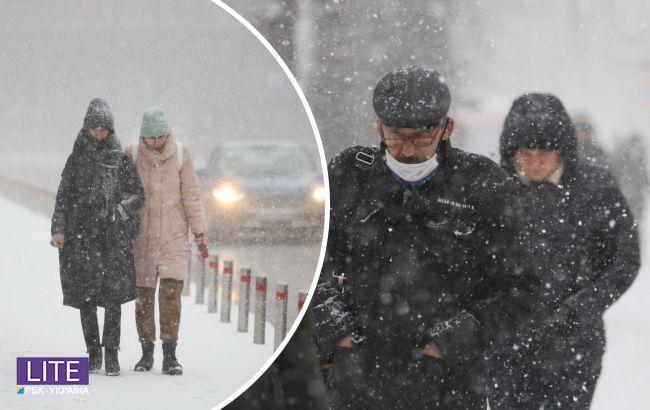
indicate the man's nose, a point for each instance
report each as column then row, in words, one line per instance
column 408, row 149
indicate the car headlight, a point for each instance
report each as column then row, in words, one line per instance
column 226, row 195
column 318, row 194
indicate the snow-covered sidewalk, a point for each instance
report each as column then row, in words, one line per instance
column 216, row 359
column 626, row 366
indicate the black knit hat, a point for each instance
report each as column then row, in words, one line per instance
column 537, row 121
column 411, row 97
column 98, row 115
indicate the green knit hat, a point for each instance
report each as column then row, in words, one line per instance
column 154, row 123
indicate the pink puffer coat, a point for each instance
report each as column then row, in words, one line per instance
column 172, row 206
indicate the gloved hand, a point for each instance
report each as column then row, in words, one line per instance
column 58, row 239
column 201, row 245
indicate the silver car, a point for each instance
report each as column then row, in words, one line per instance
column 261, row 189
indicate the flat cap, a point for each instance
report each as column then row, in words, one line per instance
column 411, row 97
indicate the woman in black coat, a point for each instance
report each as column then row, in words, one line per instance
column 583, row 243
column 94, row 223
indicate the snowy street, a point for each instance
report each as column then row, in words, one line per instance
column 626, row 365
column 217, row 360
column 286, row 138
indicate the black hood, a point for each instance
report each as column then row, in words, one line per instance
column 98, row 115
column 537, row 121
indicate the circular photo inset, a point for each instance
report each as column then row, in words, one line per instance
column 164, row 196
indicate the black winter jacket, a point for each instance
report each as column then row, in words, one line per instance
column 585, row 248
column 582, row 237
column 96, row 262
column 406, row 265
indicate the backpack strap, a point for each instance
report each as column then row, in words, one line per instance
column 179, row 155
column 365, row 159
column 364, row 163
column 134, row 153
column 357, row 166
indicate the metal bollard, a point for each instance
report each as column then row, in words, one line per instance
column 259, row 327
column 213, row 282
column 302, row 297
column 200, row 282
column 281, row 300
column 226, row 296
column 244, row 299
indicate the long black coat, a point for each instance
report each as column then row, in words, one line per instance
column 442, row 261
column 584, row 246
column 96, row 262
column 583, row 243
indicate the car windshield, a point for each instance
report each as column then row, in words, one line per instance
column 265, row 160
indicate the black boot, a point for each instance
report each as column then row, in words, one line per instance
column 95, row 358
column 146, row 361
column 112, row 364
column 170, row 364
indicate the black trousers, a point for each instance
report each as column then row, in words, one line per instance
column 528, row 380
column 364, row 379
column 90, row 326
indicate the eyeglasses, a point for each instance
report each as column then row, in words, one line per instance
column 417, row 141
column 422, row 137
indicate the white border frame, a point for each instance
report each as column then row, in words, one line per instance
column 323, row 161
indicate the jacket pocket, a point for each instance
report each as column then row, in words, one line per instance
column 426, row 381
column 175, row 223
column 347, row 373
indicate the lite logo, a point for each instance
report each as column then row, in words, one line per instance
column 51, row 370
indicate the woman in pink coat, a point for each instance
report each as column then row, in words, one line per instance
column 172, row 207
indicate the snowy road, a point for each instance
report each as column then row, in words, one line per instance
column 217, row 359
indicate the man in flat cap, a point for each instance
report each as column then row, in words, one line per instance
column 425, row 269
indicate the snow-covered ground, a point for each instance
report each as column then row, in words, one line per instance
column 216, row 359
column 626, row 366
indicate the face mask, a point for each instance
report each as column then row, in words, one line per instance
column 412, row 172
